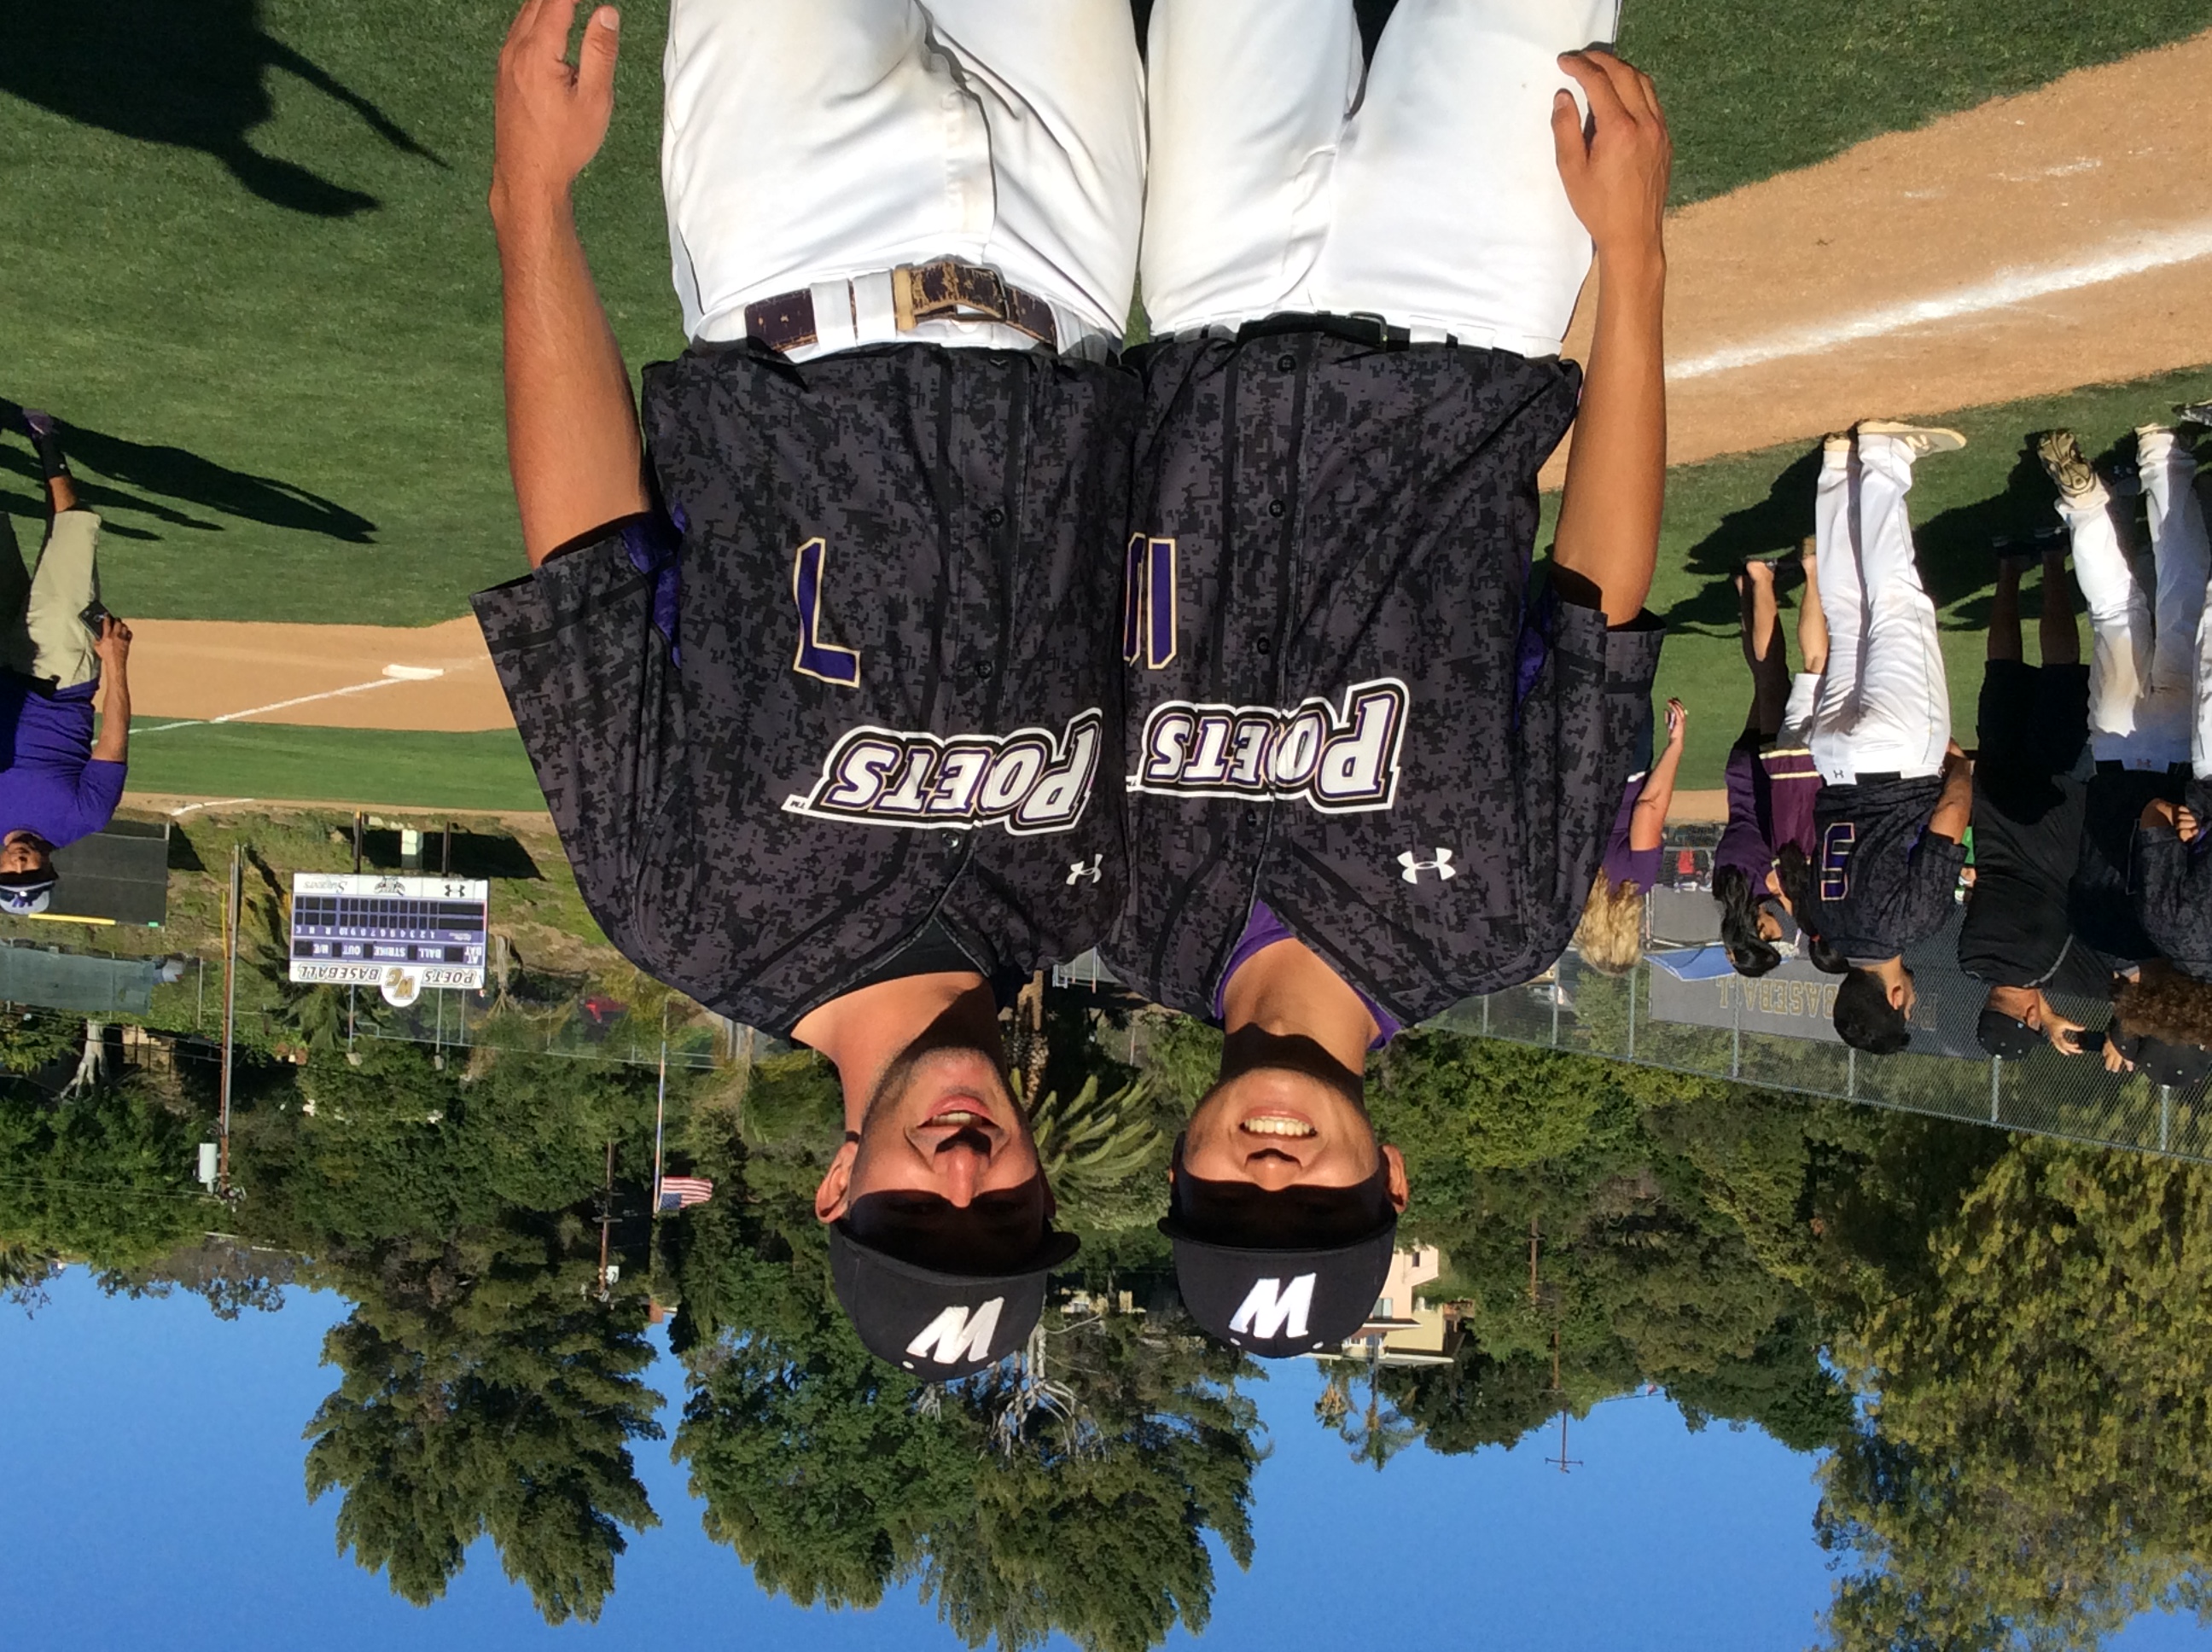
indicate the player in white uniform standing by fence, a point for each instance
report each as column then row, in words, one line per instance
column 2150, row 685
column 1896, row 790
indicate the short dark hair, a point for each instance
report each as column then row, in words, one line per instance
column 1750, row 952
column 1866, row 1019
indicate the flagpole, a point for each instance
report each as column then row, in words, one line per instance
column 660, row 1113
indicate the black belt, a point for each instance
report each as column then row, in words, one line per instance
column 945, row 290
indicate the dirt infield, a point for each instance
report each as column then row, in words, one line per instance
column 322, row 676
column 2022, row 248
column 2037, row 243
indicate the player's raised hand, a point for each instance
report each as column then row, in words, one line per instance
column 113, row 645
column 549, row 116
column 2186, row 823
column 1617, row 166
column 1677, row 721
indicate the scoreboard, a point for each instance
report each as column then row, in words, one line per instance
column 361, row 930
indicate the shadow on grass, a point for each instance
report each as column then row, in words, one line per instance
column 194, row 75
column 1953, row 544
column 117, row 473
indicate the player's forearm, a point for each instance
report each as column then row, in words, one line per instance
column 1647, row 822
column 1954, row 810
column 114, row 745
column 1617, row 472
column 572, row 436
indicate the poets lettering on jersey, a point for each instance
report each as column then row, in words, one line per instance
column 1027, row 781
column 1336, row 762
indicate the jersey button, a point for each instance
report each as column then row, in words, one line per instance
column 983, row 668
column 1276, row 507
column 995, row 517
column 1265, row 644
column 1287, row 363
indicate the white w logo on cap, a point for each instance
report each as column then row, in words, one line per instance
column 1271, row 1311
column 952, row 1336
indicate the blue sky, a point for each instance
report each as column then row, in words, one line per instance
column 155, row 1499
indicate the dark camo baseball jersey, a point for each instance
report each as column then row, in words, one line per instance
column 1882, row 880
column 2172, row 889
column 873, row 687
column 1339, row 704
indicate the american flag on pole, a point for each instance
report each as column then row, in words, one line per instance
column 681, row 1193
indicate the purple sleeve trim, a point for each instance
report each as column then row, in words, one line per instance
column 656, row 547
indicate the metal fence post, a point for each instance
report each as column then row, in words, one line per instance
column 1996, row 1077
column 1851, row 1072
column 1557, row 981
column 1486, row 1015
column 2165, row 1117
column 1635, row 977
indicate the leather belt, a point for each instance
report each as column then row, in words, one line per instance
column 944, row 290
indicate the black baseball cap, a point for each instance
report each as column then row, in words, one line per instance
column 2007, row 1035
column 1282, row 1271
column 2176, row 1065
column 938, row 1325
column 26, row 893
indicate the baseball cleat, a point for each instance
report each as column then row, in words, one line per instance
column 2193, row 413
column 1836, row 441
column 40, row 423
column 2062, row 459
column 1922, row 439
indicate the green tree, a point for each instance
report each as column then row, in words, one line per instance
column 485, row 1391
column 1091, row 1512
column 2034, row 1465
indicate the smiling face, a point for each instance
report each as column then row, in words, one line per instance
column 945, row 1171
column 1276, row 1127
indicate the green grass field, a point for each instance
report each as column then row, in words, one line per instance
column 345, row 765
column 1725, row 509
column 247, row 257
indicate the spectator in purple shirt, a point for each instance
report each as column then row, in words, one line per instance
column 1610, row 937
column 1764, row 851
column 57, row 782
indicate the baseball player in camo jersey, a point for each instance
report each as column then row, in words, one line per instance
column 2151, row 681
column 1897, row 793
column 818, row 677
column 1371, row 767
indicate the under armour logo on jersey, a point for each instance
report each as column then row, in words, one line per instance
column 1026, row 781
column 954, row 1336
column 1093, row 869
column 1269, row 1311
column 1341, row 764
column 1442, row 865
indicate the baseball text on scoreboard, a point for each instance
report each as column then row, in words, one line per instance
column 358, row 930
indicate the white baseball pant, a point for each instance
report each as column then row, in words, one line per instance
column 806, row 141
column 1885, row 705
column 2145, row 656
column 1425, row 189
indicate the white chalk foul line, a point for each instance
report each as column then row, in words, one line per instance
column 2136, row 256
column 392, row 674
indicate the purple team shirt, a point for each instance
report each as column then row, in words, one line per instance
column 1263, row 929
column 52, row 784
column 1770, row 797
column 1639, row 867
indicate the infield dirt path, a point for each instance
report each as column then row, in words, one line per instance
column 2037, row 243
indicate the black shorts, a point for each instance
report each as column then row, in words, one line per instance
column 2033, row 719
